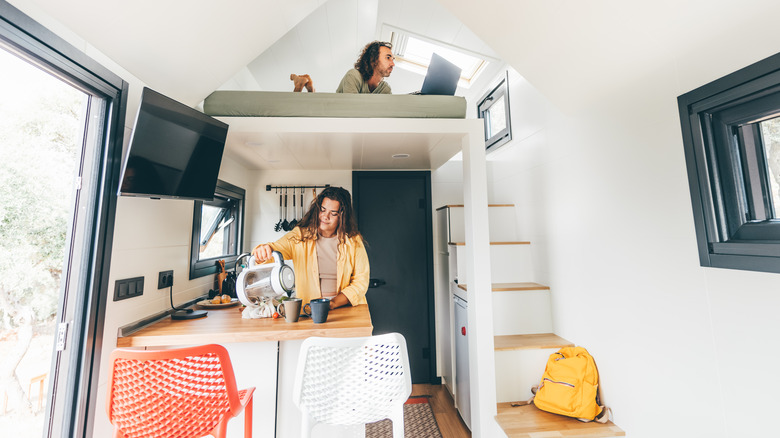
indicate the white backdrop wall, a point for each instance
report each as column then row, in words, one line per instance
column 603, row 197
column 263, row 208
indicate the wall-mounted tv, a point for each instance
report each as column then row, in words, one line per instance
column 175, row 151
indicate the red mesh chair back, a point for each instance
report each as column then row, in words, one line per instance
column 184, row 392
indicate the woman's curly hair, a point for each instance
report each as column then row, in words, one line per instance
column 310, row 222
column 368, row 58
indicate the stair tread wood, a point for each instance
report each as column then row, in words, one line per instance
column 529, row 342
column 508, row 287
column 528, row 421
column 463, row 205
column 494, row 243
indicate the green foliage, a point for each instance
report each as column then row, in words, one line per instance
column 40, row 144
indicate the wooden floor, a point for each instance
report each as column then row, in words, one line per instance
column 450, row 424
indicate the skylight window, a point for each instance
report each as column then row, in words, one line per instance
column 414, row 54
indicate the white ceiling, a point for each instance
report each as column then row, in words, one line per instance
column 341, row 28
column 580, row 52
column 341, row 144
column 186, row 49
column 574, row 52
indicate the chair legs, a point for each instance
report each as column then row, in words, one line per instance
column 398, row 422
column 307, row 425
column 248, row 418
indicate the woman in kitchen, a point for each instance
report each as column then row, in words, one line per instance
column 327, row 250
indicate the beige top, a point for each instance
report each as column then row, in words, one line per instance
column 327, row 254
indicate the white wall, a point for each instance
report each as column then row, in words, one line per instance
column 603, row 197
column 263, row 208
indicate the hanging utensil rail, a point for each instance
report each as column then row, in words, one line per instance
column 269, row 187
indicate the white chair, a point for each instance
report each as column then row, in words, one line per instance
column 349, row 381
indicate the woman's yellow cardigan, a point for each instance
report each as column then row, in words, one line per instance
column 352, row 270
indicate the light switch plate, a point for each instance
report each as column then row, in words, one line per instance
column 128, row 288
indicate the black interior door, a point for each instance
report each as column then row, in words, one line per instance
column 394, row 215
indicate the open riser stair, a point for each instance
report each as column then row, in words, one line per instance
column 522, row 324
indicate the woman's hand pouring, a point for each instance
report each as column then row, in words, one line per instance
column 262, row 253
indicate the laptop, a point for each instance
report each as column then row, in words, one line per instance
column 442, row 77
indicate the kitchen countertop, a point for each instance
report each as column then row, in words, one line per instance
column 226, row 326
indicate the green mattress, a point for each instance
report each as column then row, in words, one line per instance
column 289, row 104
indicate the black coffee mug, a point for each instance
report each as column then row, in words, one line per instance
column 317, row 309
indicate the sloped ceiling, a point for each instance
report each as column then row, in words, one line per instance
column 183, row 48
column 573, row 51
column 186, row 49
column 328, row 41
column 577, row 52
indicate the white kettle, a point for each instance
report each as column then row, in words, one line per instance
column 258, row 283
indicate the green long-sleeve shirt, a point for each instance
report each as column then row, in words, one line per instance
column 353, row 82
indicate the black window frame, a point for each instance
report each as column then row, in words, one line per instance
column 727, row 171
column 225, row 194
column 483, row 111
column 73, row 412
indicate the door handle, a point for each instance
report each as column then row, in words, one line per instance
column 376, row 282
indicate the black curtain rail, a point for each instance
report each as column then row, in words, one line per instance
column 269, row 187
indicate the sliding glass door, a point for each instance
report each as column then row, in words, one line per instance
column 61, row 120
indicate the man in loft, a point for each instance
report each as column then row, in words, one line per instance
column 374, row 64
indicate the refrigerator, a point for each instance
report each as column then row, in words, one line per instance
column 462, row 391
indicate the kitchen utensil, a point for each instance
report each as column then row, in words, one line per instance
column 285, row 224
column 317, row 309
column 278, row 225
column 295, row 212
column 290, row 309
column 221, row 276
column 259, row 283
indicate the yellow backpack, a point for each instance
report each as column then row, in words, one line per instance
column 569, row 386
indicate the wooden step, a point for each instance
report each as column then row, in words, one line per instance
column 520, row 420
column 493, row 243
column 462, row 205
column 509, row 287
column 529, row 342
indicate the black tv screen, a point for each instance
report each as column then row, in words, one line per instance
column 175, row 151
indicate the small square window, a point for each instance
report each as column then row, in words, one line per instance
column 217, row 230
column 493, row 109
column 731, row 136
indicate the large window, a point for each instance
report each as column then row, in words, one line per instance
column 731, row 134
column 66, row 128
column 493, row 109
column 217, row 230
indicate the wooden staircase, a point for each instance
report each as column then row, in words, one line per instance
column 522, row 327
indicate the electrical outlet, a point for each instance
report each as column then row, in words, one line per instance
column 165, row 279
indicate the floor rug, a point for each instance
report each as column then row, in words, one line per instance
column 419, row 422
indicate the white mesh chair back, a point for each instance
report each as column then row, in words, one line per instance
column 347, row 381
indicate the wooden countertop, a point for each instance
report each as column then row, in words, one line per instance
column 226, row 325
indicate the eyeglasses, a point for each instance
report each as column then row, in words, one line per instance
column 331, row 213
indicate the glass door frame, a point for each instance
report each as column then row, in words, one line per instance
column 71, row 405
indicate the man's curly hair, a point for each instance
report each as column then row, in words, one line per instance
column 368, row 58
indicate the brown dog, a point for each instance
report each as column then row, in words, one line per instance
column 301, row 81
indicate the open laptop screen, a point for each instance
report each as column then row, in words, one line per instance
column 442, row 77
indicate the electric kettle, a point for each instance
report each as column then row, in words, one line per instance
column 259, row 283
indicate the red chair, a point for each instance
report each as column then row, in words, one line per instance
column 184, row 392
